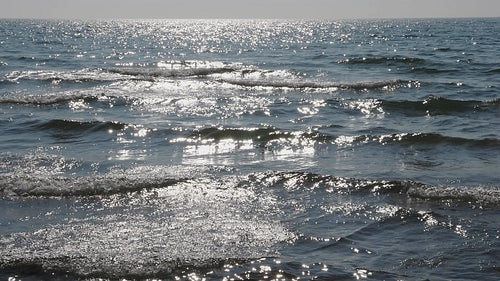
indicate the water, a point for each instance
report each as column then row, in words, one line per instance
column 229, row 150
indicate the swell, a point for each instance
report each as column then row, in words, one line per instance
column 269, row 134
column 75, row 267
column 12, row 185
column 429, row 70
column 252, row 77
column 396, row 215
column 308, row 84
column 435, row 138
column 482, row 194
column 309, row 181
column 382, row 60
column 65, row 98
column 261, row 137
column 168, row 73
column 414, row 64
column 68, row 128
column 57, row 77
column 32, row 184
column 88, row 75
column 424, row 139
column 44, row 99
column 225, row 73
column 261, row 134
column 440, row 106
column 80, row 126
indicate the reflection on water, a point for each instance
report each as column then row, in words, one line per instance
column 126, row 154
column 215, row 152
column 248, row 145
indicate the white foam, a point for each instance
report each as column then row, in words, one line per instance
column 193, row 223
column 478, row 194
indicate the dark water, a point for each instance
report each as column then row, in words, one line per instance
column 254, row 150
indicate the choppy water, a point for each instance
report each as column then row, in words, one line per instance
column 234, row 150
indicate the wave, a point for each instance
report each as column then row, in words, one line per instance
column 481, row 194
column 268, row 134
column 216, row 72
column 443, row 49
column 387, row 215
column 414, row 64
column 428, row 70
column 248, row 76
column 85, row 75
column 440, row 106
column 261, row 134
column 307, row 84
column 186, row 69
column 171, row 69
column 6, row 82
column 65, row 98
column 44, row 99
column 434, row 138
column 33, row 184
column 63, row 129
column 80, row 126
column 303, row 180
column 382, row 60
column 424, row 139
column 196, row 223
column 79, row 267
column 261, row 137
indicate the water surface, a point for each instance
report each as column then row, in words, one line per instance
column 249, row 149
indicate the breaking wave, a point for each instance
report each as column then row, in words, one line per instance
column 147, row 178
column 45, row 99
column 310, row 181
column 268, row 134
column 56, row 77
column 37, row 180
column 146, row 73
column 196, row 224
column 62, row 186
column 66, row 98
column 214, row 72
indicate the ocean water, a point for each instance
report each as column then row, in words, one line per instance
column 250, row 150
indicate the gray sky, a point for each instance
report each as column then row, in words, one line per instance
column 310, row 9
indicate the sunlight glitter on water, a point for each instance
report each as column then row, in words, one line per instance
column 249, row 149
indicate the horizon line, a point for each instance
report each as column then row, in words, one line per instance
column 250, row 18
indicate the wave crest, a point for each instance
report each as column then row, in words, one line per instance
column 303, row 180
column 142, row 178
column 439, row 106
column 77, row 126
column 268, row 134
column 66, row 98
column 309, row 84
column 383, row 60
column 174, row 69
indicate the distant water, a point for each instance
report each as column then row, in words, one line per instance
column 250, row 150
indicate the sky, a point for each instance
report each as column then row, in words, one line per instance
column 276, row 9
